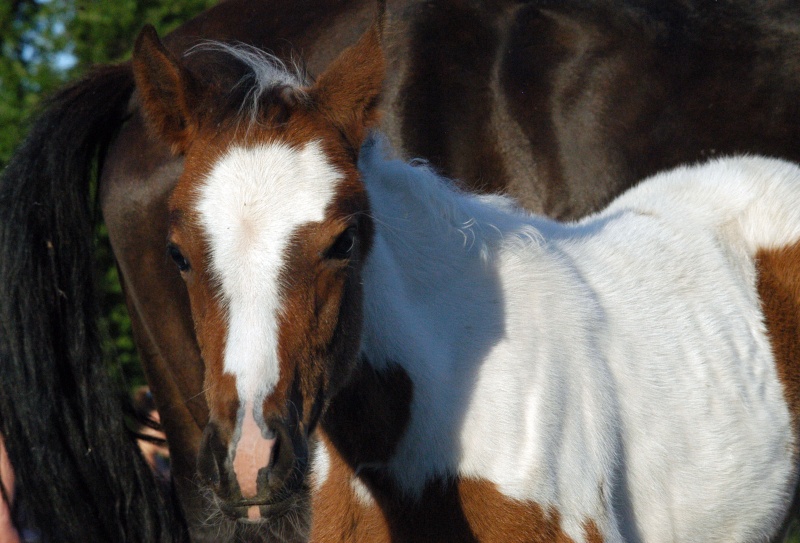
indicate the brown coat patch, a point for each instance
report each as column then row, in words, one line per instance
column 779, row 290
column 471, row 510
column 210, row 319
column 444, row 95
column 494, row 517
column 320, row 324
column 466, row 511
column 339, row 515
column 362, row 428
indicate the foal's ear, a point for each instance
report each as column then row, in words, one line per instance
column 349, row 90
column 166, row 90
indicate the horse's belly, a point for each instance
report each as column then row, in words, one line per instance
column 708, row 448
column 718, row 468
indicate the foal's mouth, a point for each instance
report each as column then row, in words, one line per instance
column 258, row 511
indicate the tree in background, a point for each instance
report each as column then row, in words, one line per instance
column 45, row 43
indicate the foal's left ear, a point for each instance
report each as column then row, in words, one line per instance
column 167, row 90
column 349, row 90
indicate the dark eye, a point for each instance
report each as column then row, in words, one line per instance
column 342, row 248
column 177, row 257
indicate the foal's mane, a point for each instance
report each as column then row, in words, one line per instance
column 412, row 198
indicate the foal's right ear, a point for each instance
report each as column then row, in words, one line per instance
column 349, row 90
column 166, row 90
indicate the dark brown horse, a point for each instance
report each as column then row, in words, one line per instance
column 561, row 104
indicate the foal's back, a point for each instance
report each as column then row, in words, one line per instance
column 685, row 270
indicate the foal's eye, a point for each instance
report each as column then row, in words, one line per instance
column 177, row 257
column 342, row 248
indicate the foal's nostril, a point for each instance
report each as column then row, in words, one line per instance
column 276, row 452
column 211, row 460
column 284, row 467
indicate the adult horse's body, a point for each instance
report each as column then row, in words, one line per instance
column 561, row 104
column 390, row 359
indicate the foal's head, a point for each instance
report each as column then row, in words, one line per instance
column 269, row 228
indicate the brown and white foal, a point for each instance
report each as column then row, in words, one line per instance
column 388, row 358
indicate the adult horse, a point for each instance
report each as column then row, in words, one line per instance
column 563, row 104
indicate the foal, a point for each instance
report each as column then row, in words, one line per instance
column 390, row 359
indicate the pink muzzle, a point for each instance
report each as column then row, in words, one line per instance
column 253, row 452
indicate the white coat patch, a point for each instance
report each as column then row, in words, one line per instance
column 615, row 369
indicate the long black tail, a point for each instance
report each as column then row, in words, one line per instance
column 81, row 475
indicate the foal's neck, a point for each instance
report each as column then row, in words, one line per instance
column 458, row 295
column 433, row 304
column 430, row 283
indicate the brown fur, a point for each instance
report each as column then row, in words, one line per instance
column 380, row 402
column 496, row 518
column 208, row 315
column 349, row 89
column 361, row 430
column 166, row 88
column 339, row 515
column 320, row 323
column 455, row 45
column 779, row 290
column 320, row 326
column 474, row 511
column 468, row 511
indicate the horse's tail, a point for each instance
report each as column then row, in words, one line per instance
column 81, row 476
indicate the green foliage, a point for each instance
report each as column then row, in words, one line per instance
column 104, row 31
column 794, row 533
column 38, row 36
column 31, row 38
column 44, row 44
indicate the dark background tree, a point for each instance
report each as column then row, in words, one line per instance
column 48, row 42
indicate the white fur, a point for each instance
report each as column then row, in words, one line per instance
column 616, row 369
column 250, row 205
column 320, row 466
column 361, row 492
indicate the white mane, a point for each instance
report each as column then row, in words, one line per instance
column 411, row 201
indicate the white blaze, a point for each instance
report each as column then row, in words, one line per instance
column 251, row 203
